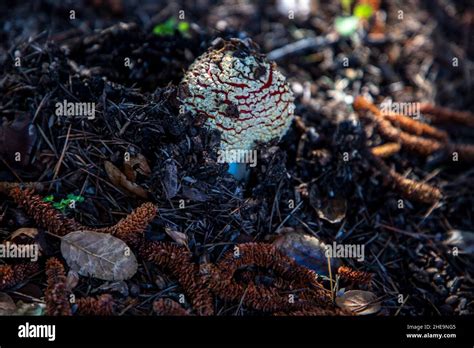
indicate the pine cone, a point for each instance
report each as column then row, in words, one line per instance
column 102, row 305
column 262, row 298
column 465, row 151
column 11, row 275
column 56, row 295
column 355, row 276
column 177, row 261
column 42, row 212
column 7, row 276
column 411, row 189
column 444, row 115
column 131, row 228
column 168, row 307
column 314, row 311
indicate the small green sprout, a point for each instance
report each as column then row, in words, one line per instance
column 363, row 11
column 49, row 198
column 347, row 25
column 170, row 26
column 63, row 204
column 183, row 27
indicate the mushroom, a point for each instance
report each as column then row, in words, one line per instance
column 242, row 94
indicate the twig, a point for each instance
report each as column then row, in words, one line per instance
column 313, row 43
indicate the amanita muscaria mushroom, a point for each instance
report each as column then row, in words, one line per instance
column 240, row 93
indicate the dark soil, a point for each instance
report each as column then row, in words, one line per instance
column 137, row 111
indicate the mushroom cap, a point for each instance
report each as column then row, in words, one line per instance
column 240, row 93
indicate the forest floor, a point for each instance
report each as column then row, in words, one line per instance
column 324, row 180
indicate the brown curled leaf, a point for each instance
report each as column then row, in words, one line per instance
column 119, row 179
column 136, row 164
column 359, row 302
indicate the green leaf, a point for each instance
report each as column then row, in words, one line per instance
column 363, row 11
column 49, row 198
column 71, row 197
column 183, row 27
column 58, row 205
column 169, row 28
column 346, row 26
column 165, row 29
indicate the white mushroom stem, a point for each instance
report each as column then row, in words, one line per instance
column 239, row 171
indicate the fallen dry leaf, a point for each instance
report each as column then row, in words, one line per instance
column 119, row 179
column 194, row 194
column 18, row 136
column 331, row 209
column 7, row 306
column 359, row 302
column 25, row 231
column 99, row 255
column 170, row 178
column 306, row 250
column 72, row 279
column 463, row 240
column 136, row 164
column 179, row 237
column 120, row 287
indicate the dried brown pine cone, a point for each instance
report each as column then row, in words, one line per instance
column 131, row 228
column 57, row 294
column 11, row 275
column 269, row 299
column 168, row 307
column 42, row 212
column 177, row 261
column 355, row 276
column 102, row 305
